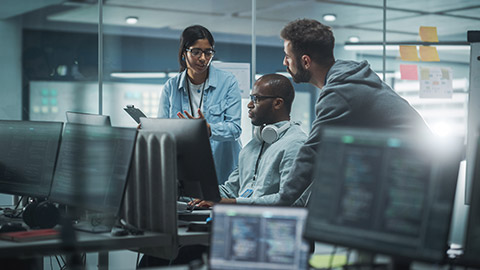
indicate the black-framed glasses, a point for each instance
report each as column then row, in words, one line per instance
column 197, row 52
column 257, row 98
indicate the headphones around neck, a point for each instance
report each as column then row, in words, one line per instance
column 270, row 133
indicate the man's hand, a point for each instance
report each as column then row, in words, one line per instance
column 200, row 116
column 200, row 203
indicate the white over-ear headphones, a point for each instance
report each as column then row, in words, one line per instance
column 270, row 133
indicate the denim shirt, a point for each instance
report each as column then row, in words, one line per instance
column 222, row 110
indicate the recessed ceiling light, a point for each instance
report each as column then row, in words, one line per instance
column 329, row 17
column 131, row 20
column 354, row 39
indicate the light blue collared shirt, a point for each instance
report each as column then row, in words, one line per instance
column 273, row 168
column 222, row 109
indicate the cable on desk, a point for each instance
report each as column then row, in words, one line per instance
column 332, row 255
column 347, row 261
column 58, row 262
column 18, row 203
column 138, row 259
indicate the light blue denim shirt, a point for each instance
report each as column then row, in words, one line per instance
column 222, row 109
column 273, row 167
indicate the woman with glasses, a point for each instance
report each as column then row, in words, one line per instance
column 203, row 91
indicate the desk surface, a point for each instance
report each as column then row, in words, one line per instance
column 91, row 242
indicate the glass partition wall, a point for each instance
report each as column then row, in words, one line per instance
column 55, row 51
column 97, row 57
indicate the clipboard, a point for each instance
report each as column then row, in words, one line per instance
column 135, row 113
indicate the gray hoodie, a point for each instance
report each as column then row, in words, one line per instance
column 353, row 95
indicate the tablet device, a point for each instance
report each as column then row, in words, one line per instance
column 135, row 113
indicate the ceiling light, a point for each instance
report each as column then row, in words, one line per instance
column 364, row 47
column 329, row 17
column 131, row 20
column 139, row 75
column 393, row 46
column 354, row 39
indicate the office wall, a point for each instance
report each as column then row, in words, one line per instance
column 10, row 76
column 10, row 69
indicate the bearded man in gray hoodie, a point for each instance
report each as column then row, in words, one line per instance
column 351, row 94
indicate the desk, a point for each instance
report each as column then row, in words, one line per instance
column 99, row 242
column 192, row 238
column 86, row 242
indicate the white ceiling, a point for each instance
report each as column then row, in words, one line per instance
column 363, row 18
column 231, row 19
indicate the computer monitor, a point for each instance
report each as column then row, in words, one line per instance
column 28, row 150
column 387, row 192
column 196, row 169
column 92, row 167
column 258, row 237
column 88, row 119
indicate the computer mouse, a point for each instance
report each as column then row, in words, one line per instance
column 11, row 227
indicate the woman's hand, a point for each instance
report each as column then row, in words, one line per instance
column 200, row 116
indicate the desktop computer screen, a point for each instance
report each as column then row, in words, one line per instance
column 28, row 150
column 92, row 167
column 195, row 166
column 258, row 237
column 88, row 119
column 384, row 191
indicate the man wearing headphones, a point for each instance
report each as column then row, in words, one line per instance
column 266, row 160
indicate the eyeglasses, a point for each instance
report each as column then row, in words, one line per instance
column 197, row 52
column 256, row 98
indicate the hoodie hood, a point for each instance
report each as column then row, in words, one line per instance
column 352, row 72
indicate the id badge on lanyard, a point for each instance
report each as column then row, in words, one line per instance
column 247, row 193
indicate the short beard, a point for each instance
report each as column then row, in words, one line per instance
column 302, row 75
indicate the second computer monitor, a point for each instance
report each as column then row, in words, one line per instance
column 384, row 191
column 88, row 119
column 92, row 167
column 28, row 150
column 195, row 166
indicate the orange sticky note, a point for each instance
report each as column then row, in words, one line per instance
column 428, row 34
column 429, row 54
column 409, row 72
column 408, row 53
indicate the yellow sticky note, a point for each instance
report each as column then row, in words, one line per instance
column 428, row 34
column 429, row 54
column 408, row 53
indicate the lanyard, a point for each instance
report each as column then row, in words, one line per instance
column 190, row 97
column 258, row 162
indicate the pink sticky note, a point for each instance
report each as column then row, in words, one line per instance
column 409, row 72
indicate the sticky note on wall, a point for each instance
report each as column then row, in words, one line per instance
column 428, row 34
column 409, row 72
column 429, row 54
column 408, row 53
